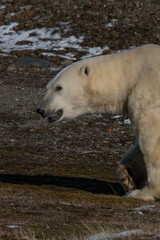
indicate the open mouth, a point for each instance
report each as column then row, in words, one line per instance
column 56, row 116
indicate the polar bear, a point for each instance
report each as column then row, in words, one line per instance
column 125, row 82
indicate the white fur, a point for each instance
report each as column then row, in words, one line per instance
column 123, row 82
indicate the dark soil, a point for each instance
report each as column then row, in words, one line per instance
column 58, row 181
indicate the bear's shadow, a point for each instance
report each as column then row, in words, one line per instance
column 89, row 185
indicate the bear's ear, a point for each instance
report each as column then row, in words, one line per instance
column 85, row 70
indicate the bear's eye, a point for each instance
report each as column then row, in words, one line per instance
column 58, row 88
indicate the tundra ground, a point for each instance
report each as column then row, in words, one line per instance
column 58, row 181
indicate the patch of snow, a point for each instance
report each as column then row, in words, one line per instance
column 127, row 121
column 121, row 235
column 64, row 23
column 96, row 115
column 116, row 116
column 47, row 39
column 39, row 39
column 7, row 29
column 140, row 213
column 66, row 56
column 128, row 233
column 112, row 23
column 109, row 24
column 2, row 7
column 147, row 207
column 139, row 210
column 4, row 54
column 64, row 203
column 94, row 51
column 70, row 56
column 55, row 69
column 12, row 226
column 156, row 236
column 49, row 54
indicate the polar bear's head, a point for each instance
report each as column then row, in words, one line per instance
column 67, row 94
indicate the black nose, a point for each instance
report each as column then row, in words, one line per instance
column 40, row 111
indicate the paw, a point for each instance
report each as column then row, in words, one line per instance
column 125, row 179
column 144, row 194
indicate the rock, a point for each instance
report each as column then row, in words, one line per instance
column 125, row 21
column 31, row 61
column 11, row 68
column 66, row 62
column 27, row 7
column 36, row 17
column 8, row 16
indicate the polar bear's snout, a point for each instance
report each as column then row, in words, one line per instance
column 52, row 116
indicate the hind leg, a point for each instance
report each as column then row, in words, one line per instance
column 132, row 170
column 149, row 140
column 152, row 190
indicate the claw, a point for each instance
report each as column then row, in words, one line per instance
column 125, row 179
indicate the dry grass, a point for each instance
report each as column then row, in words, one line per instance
column 145, row 229
column 57, row 213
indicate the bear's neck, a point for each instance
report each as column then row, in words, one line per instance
column 112, row 106
column 112, row 103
